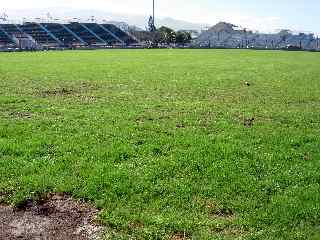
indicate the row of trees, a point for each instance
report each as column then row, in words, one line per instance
column 164, row 35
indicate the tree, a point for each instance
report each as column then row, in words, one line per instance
column 284, row 34
column 142, row 35
column 151, row 39
column 183, row 37
column 167, row 35
column 163, row 35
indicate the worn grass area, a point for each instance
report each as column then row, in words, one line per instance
column 170, row 144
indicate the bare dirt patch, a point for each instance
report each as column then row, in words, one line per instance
column 232, row 232
column 25, row 115
column 222, row 213
column 58, row 92
column 216, row 210
column 248, row 122
column 136, row 225
column 179, row 236
column 80, row 90
column 55, row 217
column 180, row 125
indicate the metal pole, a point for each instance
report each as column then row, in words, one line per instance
column 153, row 13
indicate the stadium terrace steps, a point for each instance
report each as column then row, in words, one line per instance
column 93, row 33
column 39, row 34
column 74, row 34
column 102, row 33
column 65, row 35
column 9, row 29
column 120, row 34
column 112, row 34
column 5, row 38
column 50, row 34
column 84, row 34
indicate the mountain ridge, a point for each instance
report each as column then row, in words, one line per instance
column 69, row 14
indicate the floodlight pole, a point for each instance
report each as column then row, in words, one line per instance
column 153, row 11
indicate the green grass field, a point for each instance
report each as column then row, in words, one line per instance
column 156, row 139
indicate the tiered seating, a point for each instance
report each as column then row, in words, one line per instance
column 4, row 39
column 57, row 35
column 61, row 33
column 105, row 35
column 11, row 29
column 83, row 33
column 120, row 34
column 40, row 35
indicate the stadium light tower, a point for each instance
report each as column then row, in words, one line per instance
column 151, row 23
column 153, row 11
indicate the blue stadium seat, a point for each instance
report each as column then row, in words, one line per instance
column 83, row 33
column 39, row 34
column 120, row 34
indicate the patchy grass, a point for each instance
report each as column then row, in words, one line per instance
column 169, row 144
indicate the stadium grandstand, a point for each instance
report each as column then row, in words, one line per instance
column 54, row 35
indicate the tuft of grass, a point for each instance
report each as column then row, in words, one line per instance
column 170, row 144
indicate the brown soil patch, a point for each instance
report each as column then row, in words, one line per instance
column 233, row 232
column 307, row 157
column 136, row 225
column 143, row 119
column 223, row 213
column 215, row 210
column 248, row 122
column 57, row 217
column 65, row 93
column 180, row 125
column 179, row 236
column 59, row 92
column 78, row 90
column 21, row 114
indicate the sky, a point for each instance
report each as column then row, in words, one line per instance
column 265, row 15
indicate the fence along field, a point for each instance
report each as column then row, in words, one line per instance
column 169, row 144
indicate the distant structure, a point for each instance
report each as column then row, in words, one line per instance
column 227, row 35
